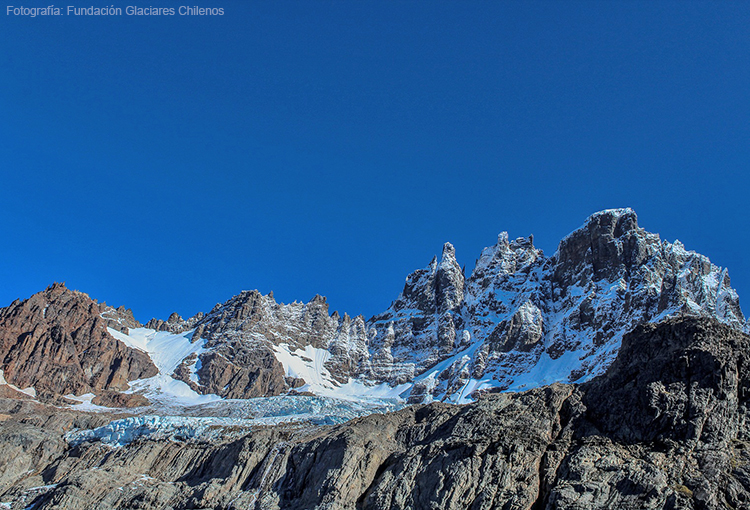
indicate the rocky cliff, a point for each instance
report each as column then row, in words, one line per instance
column 519, row 320
column 56, row 343
column 665, row 427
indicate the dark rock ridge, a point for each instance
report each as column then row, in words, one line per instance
column 57, row 343
column 664, row 428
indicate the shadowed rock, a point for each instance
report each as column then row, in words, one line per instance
column 619, row 441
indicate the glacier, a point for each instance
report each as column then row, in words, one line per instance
column 520, row 320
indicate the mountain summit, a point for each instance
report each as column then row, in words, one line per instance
column 522, row 319
column 519, row 321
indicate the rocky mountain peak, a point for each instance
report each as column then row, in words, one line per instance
column 435, row 289
column 520, row 320
column 57, row 342
column 449, row 281
column 609, row 243
column 499, row 262
column 448, row 256
column 175, row 323
column 431, row 267
column 520, row 312
column 319, row 300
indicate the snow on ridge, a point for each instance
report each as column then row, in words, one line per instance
column 166, row 350
column 520, row 320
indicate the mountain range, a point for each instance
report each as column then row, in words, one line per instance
column 613, row 374
column 520, row 320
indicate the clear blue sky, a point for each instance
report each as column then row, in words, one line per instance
column 166, row 163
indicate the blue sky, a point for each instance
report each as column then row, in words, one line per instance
column 166, row 163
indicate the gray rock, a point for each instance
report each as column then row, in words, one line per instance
column 664, row 428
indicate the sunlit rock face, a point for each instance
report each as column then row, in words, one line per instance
column 520, row 320
column 523, row 319
column 57, row 343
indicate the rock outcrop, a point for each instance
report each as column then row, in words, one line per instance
column 175, row 323
column 523, row 319
column 420, row 327
column 241, row 336
column 665, row 427
column 57, row 343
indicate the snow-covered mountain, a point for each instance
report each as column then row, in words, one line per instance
column 520, row 320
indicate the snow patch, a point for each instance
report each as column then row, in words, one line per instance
column 167, row 351
column 30, row 391
column 85, row 403
column 309, row 364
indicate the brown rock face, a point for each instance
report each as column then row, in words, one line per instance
column 120, row 400
column 7, row 392
column 57, row 342
column 260, row 375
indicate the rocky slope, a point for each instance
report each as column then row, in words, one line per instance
column 56, row 343
column 665, row 427
column 518, row 321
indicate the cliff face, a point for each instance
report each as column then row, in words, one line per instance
column 522, row 319
column 57, row 343
column 519, row 320
column 665, row 427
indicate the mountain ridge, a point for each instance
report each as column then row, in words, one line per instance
column 519, row 320
column 676, row 436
